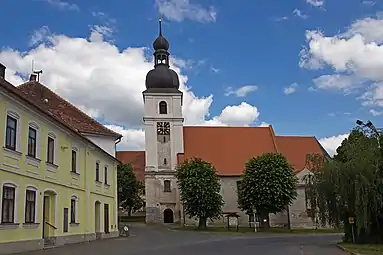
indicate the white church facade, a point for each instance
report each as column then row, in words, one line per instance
column 168, row 142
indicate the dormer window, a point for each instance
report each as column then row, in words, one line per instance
column 163, row 107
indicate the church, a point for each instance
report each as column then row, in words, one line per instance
column 168, row 142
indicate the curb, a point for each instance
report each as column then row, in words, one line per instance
column 347, row 250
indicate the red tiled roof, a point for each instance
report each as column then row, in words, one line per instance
column 25, row 97
column 229, row 148
column 137, row 159
column 296, row 149
column 45, row 98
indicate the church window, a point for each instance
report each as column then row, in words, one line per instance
column 165, row 162
column 167, row 187
column 163, row 107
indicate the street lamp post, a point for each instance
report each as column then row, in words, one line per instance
column 377, row 132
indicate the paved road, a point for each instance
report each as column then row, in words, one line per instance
column 145, row 240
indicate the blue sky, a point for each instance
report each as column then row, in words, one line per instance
column 220, row 46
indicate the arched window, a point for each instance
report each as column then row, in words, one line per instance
column 163, row 107
column 33, row 147
column 31, row 206
column 9, row 202
column 167, row 187
column 13, row 131
column 73, row 209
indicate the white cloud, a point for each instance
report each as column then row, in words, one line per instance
column 242, row 91
column 316, row 3
column 330, row 144
column 180, row 10
column 370, row 28
column 215, row 70
column 111, row 80
column 300, row 14
column 100, row 33
column 63, row 5
column 133, row 139
column 356, row 56
column 39, row 35
column 374, row 95
column 368, row 2
column 336, row 82
column 281, row 18
column 236, row 115
column 264, row 124
column 290, row 89
column 105, row 18
column 375, row 112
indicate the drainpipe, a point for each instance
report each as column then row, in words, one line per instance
column 115, row 145
column 115, row 183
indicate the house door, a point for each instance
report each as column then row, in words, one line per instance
column 106, row 218
column 168, row 216
column 45, row 216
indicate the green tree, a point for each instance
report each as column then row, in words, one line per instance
column 200, row 190
column 348, row 186
column 268, row 185
column 129, row 189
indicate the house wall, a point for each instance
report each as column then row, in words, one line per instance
column 298, row 209
column 298, row 214
column 56, row 181
column 105, row 143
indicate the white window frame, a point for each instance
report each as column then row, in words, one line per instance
column 77, row 150
column 15, row 210
column 54, row 137
column 32, row 188
column 14, row 114
column 106, row 181
column 99, row 172
column 75, row 198
column 35, row 126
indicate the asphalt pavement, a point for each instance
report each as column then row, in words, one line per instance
column 161, row 241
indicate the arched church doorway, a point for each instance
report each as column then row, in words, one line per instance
column 168, row 216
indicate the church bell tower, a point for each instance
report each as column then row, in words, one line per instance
column 163, row 122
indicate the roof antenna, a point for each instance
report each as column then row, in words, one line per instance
column 38, row 74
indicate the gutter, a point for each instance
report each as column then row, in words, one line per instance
column 115, row 144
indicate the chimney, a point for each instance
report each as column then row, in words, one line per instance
column 2, row 71
column 33, row 77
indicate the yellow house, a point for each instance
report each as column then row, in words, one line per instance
column 58, row 171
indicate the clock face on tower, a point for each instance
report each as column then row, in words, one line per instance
column 163, row 128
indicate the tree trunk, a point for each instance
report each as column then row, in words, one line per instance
column 264, row 216
column 201, row 223
column 130, row 211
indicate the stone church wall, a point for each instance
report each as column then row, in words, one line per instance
column 298, row 212
column 157, row 201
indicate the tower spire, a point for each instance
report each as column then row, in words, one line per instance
column 160, row 25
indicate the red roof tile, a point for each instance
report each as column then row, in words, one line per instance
column 137, row 159
column 296, row 149
column 26, row 98
column 228, row 148
column 45, row 98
